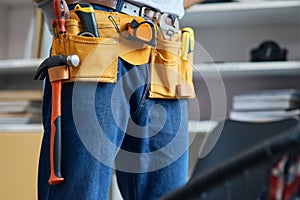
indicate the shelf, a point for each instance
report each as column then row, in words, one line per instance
column 14, row 66
column 202, row 127
column 242, row 14
column 248, row 68
column 16, row 128
column 197, row 127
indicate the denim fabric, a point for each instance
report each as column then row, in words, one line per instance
column 87, row 175
column 119, row 5
column 107, row 126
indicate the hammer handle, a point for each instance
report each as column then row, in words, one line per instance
column 56, row 136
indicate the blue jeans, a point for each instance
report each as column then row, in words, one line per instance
column 108, row 126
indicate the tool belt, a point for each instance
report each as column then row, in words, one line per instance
column 171, row 76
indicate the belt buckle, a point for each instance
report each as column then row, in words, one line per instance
column 150, row 13
column 131, row 9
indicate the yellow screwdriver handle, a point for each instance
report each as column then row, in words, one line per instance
column 185, row 45
column 188, row 42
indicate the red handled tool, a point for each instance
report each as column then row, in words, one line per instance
column 52, row 64
column 56, row 136
column 61, row 13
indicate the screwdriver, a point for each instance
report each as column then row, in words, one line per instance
column 85, row 12
column 61, row 13
column 187, row 42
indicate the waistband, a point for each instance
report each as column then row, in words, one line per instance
column 107, row 3
column 123, row 7
column 126, row 7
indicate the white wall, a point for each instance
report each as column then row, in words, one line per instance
column 3, row 33
column 234, row 43
column 19, row 18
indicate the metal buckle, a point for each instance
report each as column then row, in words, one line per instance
column 150, row 14
column 168, row 23
column 131, row 9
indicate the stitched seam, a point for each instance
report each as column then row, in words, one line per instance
column 141, row 103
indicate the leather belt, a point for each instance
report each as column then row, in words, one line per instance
column 108, row 3
column 128, row 8
column 131, row 9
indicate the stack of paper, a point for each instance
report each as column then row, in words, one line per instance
column 266, row 105
column 20, row 106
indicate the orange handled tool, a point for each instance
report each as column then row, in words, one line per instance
column 56, row 136
column 55, row 66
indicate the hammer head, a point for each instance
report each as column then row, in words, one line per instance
column 54, row 61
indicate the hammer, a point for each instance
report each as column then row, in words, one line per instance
column 56, row 67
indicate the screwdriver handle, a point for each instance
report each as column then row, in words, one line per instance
column 188, row 41
column 85, row 12
column 60, row 11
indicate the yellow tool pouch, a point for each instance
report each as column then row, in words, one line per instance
column 99, row 56
column 171, row 76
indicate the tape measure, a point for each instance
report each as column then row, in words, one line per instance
column 143, row 30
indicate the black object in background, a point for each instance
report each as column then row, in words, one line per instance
column 268, row 51
column 239, row 164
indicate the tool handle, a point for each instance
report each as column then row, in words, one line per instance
column 60, row 11
column 86, row 14
column 188, row 41
column 185, row 45
column 56, row 135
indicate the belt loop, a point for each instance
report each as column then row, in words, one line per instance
column 119, row 5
